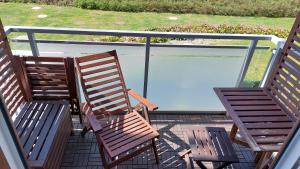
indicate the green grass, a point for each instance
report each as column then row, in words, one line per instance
column 22, row 14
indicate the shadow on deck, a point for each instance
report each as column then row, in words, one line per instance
column 82, row 153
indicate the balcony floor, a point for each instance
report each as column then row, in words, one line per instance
column 82, row 153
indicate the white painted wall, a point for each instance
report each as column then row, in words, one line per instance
column 8, row 147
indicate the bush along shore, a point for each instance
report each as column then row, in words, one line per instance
column 268, row 8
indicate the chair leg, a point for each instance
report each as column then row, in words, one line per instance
column 233, row 132
column 264, row 157
column 155, row 151
column 85, row 130
column 201, row 165
column 101, row 150
column 258, row 156
column 223, row 165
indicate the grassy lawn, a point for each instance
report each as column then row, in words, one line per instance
column 23, row 14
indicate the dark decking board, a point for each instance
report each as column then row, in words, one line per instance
column 211, row 144
column 83, row 153
column 259, row 122
column 37, row 124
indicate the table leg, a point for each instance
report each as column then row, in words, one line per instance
column 201, row 165
column 265, row 156
column 224, row 164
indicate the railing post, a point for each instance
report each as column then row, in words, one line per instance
column 246, row 63
column 274, row 59
column 147, row 54
column 33, row 45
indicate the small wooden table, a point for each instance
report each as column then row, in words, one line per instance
column 210, row 144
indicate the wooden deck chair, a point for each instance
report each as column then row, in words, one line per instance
column 265, row 116
column 126, row 135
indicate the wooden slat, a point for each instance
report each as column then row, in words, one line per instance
column 102, row 76
column 43, row 59
column 47, row 77
column 62, row 113
column 260, row 113
column 45, row 129
column 86, row 66
column 109, row 135
column 50, row 88
column 277, row 125
column 104, row 95
column 97, row 84
column 24, row 136
column 258, row 107
column 38, row 128
column 241, row 93
column 252, row 102
column 268, row 132
column 128, row 134
column 266, row 119
column 20, row 115
column 293, row 54
column 45, row 66
column 95, row 57
column 95, row 91
column 211, row 144
column 106, row 101
column 238, row 98
column 97, row 70
column 270, row 139
column 48, row 83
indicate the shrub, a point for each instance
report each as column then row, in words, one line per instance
column 224, row 28
column 269, row 8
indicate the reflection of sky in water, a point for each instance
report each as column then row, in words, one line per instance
column 179, row 78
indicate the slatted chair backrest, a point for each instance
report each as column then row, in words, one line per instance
column 11, row 88
column 50, row 78
column 103, row 84
column 284, row 83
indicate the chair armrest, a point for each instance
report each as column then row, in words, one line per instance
column 91, row 118
column 151, row 106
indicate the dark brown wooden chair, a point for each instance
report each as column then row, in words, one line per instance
column 266, row 115
column 42, row 127
column 119, row 136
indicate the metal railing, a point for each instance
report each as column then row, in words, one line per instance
column 31, row 31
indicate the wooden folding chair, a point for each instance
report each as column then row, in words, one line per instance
column 121, row 131
column 265, row 116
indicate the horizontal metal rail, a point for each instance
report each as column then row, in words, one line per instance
column 76, row 42
column 75, row 31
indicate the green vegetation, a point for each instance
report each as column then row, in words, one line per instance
column 270, row 8
column 23, row 14
column 225, row 28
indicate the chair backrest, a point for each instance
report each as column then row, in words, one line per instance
column 50, row 78
column 103, row 83
column 11, row 89
column 284, row 82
